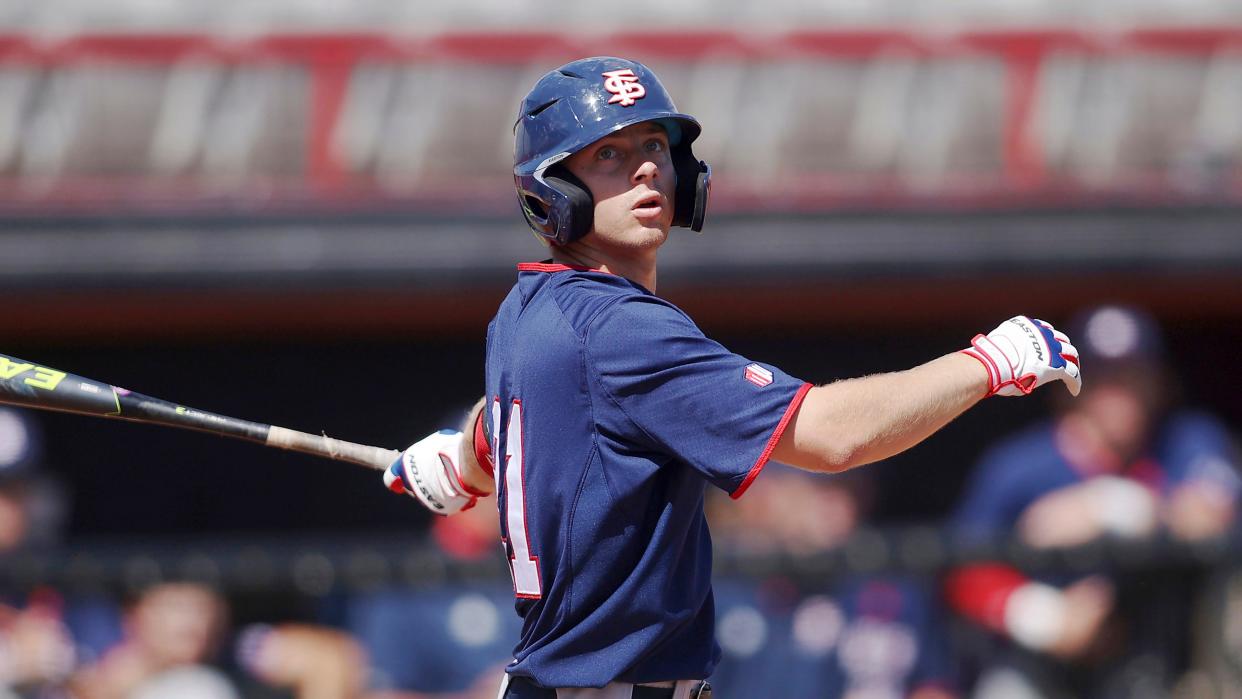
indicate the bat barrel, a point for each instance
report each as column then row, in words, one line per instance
column 36, row 386
column 32, row 385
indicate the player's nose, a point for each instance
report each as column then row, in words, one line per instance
column 646, row 171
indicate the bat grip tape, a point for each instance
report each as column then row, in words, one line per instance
column 374, row 457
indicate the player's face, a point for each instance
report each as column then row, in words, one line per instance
column 1118, row 411
column 177, row 622
column 13, row 521
column 630, row 175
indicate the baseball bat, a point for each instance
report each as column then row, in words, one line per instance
column 34, row 386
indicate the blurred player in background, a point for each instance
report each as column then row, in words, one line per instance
column 36, row 649
column 1121, row 461
column 171, row 632
column 163, row 644
column 449, row 639
column 33, row 504
column 856, row 636
column 607, row 412
column 175, row 643
column 303, row 661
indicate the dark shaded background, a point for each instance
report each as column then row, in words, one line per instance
column 133, row 479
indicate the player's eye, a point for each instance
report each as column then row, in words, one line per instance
column 655, row 145
column 607, row 153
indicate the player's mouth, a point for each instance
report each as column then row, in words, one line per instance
column 649, row 206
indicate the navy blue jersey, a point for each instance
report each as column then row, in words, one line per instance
column 611, row 411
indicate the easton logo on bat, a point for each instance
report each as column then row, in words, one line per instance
column 39, row 376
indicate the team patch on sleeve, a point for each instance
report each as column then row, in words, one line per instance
column 757, row 375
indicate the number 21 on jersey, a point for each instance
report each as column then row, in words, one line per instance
column 523, row 565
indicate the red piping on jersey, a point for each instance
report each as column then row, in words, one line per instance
column 555, row 267
column 776, row 437
column 482, row 449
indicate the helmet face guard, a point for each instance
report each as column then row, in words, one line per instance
column 576, row 105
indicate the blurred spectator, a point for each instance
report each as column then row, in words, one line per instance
column 312, row 662
column 171, row 632
column 855, row 638
column 33, row 505
column 1121, row 461
column 52, row 647
column 796, row 513
column 451, row 639
column 36, row 650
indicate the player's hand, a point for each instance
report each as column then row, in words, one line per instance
column 1081, row 513
column 1067, row 623
column 430, row 471
column 1087, row 604
column 1023, row 353
column 35, row 647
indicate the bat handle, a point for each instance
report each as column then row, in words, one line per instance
column 340, row 450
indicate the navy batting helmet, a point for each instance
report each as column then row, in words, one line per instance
column 576, row 105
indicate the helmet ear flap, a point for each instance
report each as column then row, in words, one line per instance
column 694, row 179
column 702, row 188
column 578, row 215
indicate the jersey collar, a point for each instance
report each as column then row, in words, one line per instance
column 556, row 267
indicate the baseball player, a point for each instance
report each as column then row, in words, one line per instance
column 1124, row 462
column 607, row 411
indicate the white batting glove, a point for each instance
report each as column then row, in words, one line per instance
column 430, row 471
column 1023, row 353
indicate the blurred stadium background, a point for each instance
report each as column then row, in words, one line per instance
column 301, row 212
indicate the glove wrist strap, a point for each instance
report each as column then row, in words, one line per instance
column 989, row 364
column 1001, row 371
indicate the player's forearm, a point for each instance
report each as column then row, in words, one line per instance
column 476, row 451
column 857, row 421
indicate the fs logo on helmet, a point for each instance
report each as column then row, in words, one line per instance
column 624, row 86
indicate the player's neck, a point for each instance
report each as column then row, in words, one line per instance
column 640, row 269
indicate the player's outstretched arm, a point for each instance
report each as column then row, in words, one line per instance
column 857, row 421
column 446, row 471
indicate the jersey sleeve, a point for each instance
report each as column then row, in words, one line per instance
column 687, row 395
column 1008, row 478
